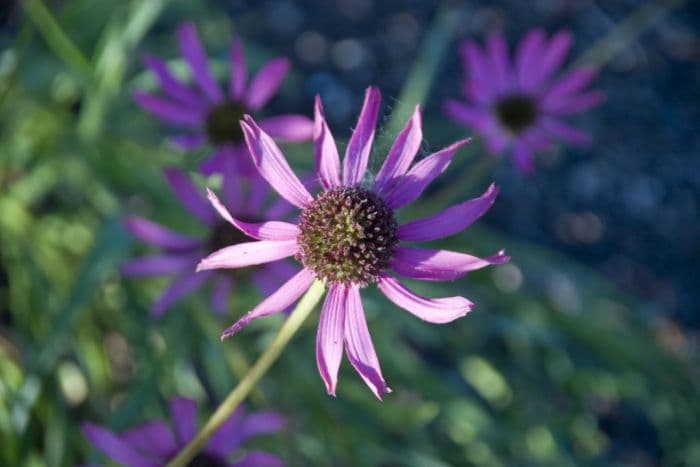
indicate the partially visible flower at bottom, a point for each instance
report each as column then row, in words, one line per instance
column 348, row 237
column 155, row 443
column 517, row 105
column 182, row 252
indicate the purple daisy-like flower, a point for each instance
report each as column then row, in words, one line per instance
column 180, row 253
column 154, row 443
column 348, row 237
column 518, row 105
column 209, row 113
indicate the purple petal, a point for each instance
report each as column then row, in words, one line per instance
column 359, row 346
column 523, row 158
column 564, row 131
column 290, row 127
column 260, row 423
column 152, row 437
column 474, row 117
column 529, row 58
column 259, row 191
column 278, row 301
column 183, row 416
column 193, row 52
column 225, row 439
column 172, row 86
column 478, row 72
column 221, row 293
column 432, row 310
column 157, row 265
column 569, row 84
column 114, row 447
column 248, row 254
column 439, row 265
column 189, row 195
column 401, row 154
column 269, row 278
column 450, row 221
column 329, row 336
column 259, row 459
column 155, row 234
column 419, row 177
column 266, row 83
column 239, row 72
column 188, row 142
column 360, row 144
column 231, row 183
column 555, row 54
column 179, row 288
column 273, row 166
column 325, row 150
column 498, row 52
column 270, row 230
column 169, row 111
column 575, row 104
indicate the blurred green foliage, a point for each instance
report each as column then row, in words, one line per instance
column 551, row 358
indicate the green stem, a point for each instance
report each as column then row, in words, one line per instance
column 246, row 385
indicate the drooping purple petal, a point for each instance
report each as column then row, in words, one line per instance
column 325, row 150
column 575, row 104
column 183, row 415
column 239, row 72
column 152, row 437
column 221, row 293
column 155, row 234
column 195, row 56
column 259, row 459
column 523, row 158
column 273, row 166
column 529, row 58
column 290, row 127
column 569, row 84
column 359, row 346
column 225, row 439
column 172, row 86
column 276, row 302
column 432, row 310
column 401, row 154
column 474, row 117
column 179, row 288
column 439, row 265
column 248, row 254
column 450, row 221
column 169, row 111
column 565, row 131
column 329, row 336
column 419, row 177
column 269, row 230
column 157, row 265
column 114, row 447
column 360, row 144
column 497, row 49
column 266, row 83
column 188, row 142
column 189, row 195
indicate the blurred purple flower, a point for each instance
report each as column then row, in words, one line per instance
column 518, row 105
column 209, row 113
column 180, row 253
column 153, row 444
column 348, row 237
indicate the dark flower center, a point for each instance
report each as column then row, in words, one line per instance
column 516, row 112
column 223, row 125
column 347, row 235
column 223, row 235
column 207, row 460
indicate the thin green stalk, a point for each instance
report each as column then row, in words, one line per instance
column 56, row 38
column 246, row 385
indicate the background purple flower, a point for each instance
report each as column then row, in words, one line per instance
column 518, row 104
column 180, row 253
column 348, row 236
column 209, row 113
column 153, row 444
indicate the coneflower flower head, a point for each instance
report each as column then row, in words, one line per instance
column 212, row 115
column 517, row 105
column 348, row 237
column 155, row 443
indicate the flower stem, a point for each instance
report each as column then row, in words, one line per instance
column 246, row 385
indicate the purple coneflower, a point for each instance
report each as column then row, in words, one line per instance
column 180, row 253
column 153, row 444
column 348, row 237
column 518, row 105
column 209, row 113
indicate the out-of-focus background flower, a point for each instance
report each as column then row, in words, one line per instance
column 582, row 351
